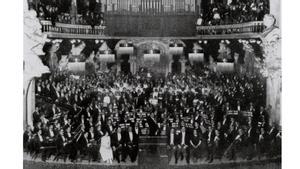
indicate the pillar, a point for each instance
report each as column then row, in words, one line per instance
column 73, row 11
column 272, row 70
column 132, row 62
column 170, row 66
column 198, row 6
column 183, row 65
column 118, row 66
column 274, row 96
column 29, row 101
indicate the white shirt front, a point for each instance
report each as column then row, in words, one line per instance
column 183, row 138
column 119, row 136
column 172, row 139
column 130, row 136
column 41, row 138
column 209, row 136
column 51, row 133
column 137, row 130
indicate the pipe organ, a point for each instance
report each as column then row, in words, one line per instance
column 149, row 6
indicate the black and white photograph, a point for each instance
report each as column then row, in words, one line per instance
column 152, row 84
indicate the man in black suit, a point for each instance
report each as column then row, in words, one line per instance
column 132, row 143
column 61, row 143
column 210, row 144
column 171, row 143
column 152, row 124
column 182, row 143
column 36, row 115
column 118, row 145
column 27, row 139
column 195, row 143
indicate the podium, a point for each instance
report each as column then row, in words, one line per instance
column 153, row 152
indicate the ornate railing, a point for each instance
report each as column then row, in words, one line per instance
column 71, row 28
column 249, row 27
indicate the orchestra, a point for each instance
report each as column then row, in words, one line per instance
column 219, row 123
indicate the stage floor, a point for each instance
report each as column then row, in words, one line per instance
column 29, row 163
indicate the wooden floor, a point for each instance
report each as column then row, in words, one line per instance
column 275, row 163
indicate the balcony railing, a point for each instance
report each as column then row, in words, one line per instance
column 243, row 28
column 65, row 28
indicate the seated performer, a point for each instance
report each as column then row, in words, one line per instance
column 132, row 144
column 171, row 147
column 182, row 146
column 105, row 148
column 118, row 145
column 195, row 142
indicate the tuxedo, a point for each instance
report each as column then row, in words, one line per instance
column 61, row 142
column 181, row 141
column 132, row 145
column 210, row 145
column 91, row 136
column 118, row 142
column 152, row 126
column 98, row 135
column 36, row 117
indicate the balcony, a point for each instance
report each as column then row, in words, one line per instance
column 77, row 31
column 65, row 30
column 243, row 30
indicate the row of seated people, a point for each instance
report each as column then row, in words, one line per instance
column 196, row 137
column 241, row 11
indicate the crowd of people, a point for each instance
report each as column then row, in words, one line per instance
column 204, row 114
column 86, row 12
column 238, row 11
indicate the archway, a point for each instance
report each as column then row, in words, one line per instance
column 125, row 65
column 158, row 68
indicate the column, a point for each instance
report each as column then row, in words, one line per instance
column 132, row 62
column 274, row 80
column 29, row 101
column 272, row 70
column 198, row 6
column 183, row 66
column 73, row 11
column 170, row 66
column 118, row 66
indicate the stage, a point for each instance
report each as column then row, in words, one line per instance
column 254, row 164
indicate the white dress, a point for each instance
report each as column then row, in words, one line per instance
column 105, row 149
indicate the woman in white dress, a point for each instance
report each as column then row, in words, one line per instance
column 105, row 149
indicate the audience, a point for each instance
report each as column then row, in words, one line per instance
column 238, row 11
column 59, row 11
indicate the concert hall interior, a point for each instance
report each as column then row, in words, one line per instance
column 152, row 84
